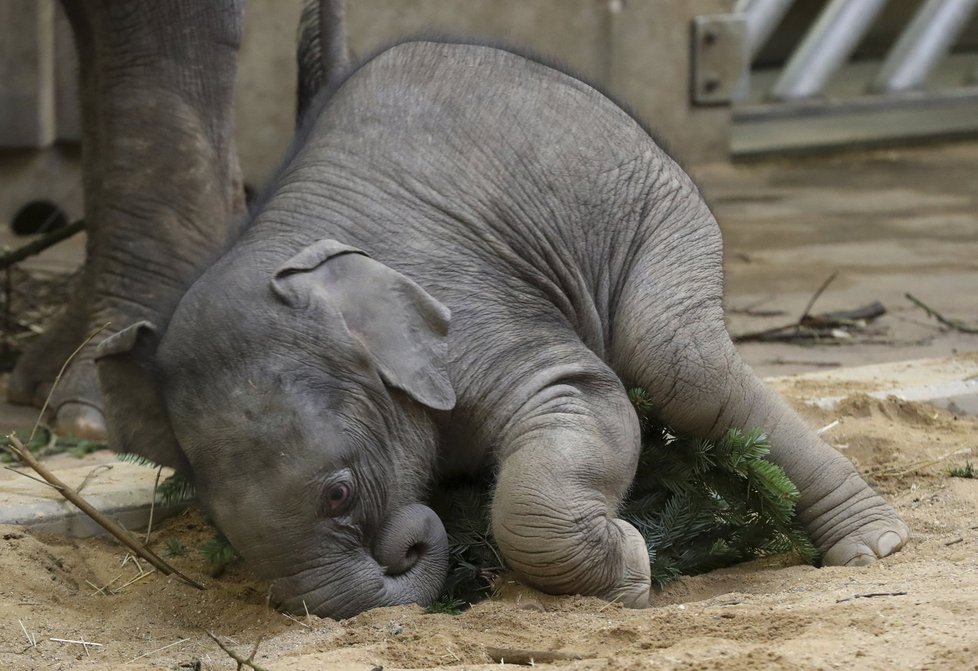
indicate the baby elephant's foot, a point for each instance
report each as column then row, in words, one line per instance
column 866, row 544
column 562, row 551
column 859, row 531
column 632, row 589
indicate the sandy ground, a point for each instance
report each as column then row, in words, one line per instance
column 916, row 610
column 889, row 222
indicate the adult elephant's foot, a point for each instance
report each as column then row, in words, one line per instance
column 858, row 530
column 76, row 403
column 74, row 406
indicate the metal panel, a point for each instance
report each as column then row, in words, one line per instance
column 762, row 17
column 720, row 58
column 922, row 45
column 826, row 47
column 867, row 121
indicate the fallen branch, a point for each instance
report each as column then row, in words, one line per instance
column 824, row 325
column 827, row 325
column 532, row 657
column 42, row 243
column 931, row 312
column 242, row 662
column 22, row 453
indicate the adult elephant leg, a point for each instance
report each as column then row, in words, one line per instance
column 159, row 169
column 566, row 460
column 670, row 338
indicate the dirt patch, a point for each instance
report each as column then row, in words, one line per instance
column 917, row 609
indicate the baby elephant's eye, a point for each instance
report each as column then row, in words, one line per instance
column 337, row 498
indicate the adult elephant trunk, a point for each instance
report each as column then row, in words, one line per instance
column 408, row 564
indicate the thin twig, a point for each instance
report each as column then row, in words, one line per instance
column 152, row 505
column 152, row 652
column 893, row 472
column 39, row 245
column 30, row 639
column 101, row 468
column 82, row 643
column 242, row 662
column 109, row 525
column 28, row 475
column 959, row 539
column 931, row 312
column 815, row 296
column 139, row 577
column 61, row 372
column 871, row 595
column 828, row 427
column 106, row 586
column 297, row 621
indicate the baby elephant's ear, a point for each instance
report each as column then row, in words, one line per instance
column 402, row 328
column 135, row 415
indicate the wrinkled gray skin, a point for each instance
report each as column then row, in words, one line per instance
column 160, row 177
column 163, row 191
column 467, row 261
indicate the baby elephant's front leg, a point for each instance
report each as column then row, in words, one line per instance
column 566, row 461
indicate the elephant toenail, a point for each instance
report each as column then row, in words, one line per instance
column 861, row 560
column 888, row 543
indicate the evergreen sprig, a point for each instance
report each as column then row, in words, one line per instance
column 704, row 504
column 700, row 504
column 177, row 488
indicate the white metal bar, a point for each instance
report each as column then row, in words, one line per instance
column 927, row 39
column 828, row 45
column 762, row 17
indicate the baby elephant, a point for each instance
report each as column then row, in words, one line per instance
column 466, row 261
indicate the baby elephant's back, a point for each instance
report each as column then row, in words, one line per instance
column 487, row 137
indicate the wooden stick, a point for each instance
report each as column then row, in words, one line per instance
column 242, row 662
column 22, row 453
column 151, row 652
column 42, row 243
column 931, row 312
column 818, row 292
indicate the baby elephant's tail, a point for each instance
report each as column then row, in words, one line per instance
column 322, row 54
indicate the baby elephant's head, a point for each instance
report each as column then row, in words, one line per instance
column 302, row 405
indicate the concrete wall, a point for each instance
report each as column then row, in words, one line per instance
column 638, row 50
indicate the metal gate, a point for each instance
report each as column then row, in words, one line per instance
column 818, row 97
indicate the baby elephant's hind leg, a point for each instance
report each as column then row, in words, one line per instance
column 567, row 458
column 700, row 386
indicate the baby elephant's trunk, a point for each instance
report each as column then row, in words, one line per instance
column 409, row 564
